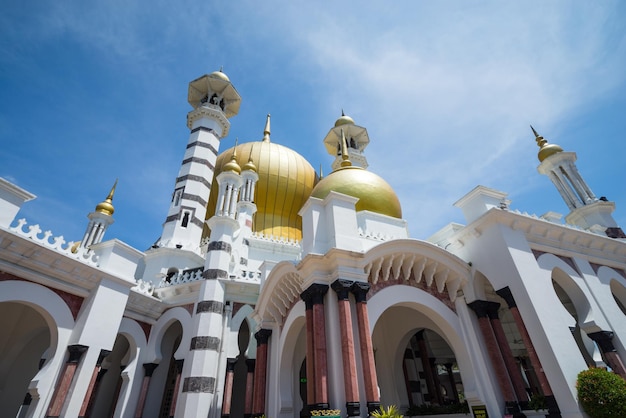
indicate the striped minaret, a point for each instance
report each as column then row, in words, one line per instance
column 214, row 100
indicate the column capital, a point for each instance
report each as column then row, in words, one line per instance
column 230, row 364
column 360, row 289
column 262, row 336
column 505, row 293
column 342, row 288
column 149, row 368
column 604, row 339
column 314, row 295
column 484, row 308
column 76, row 352
column 103, row 354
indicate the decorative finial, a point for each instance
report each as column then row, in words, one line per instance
column 250, row 164
column 540, row 140
column 345, row 158
column 534, row 132
column 342, row 114
column 112, row 192
column 221, row 68
column 321, row 172
column 266, row 131
column 106, row 206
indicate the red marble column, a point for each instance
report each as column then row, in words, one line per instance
column 65, row 381
column 310, row 358
column 604, row 340
column 228, row 387
column 360, row 289
column 179, row 371
column 351, row 387
column 505, row 293
column 481, row 308
column 247, row 410
column 260, row 372
column 505, row 349
column 89, row 396
column 145, row 384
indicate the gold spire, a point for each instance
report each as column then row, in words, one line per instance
column 321, row 172
column 232, row 165
column 545, row 149
column 345, row 158
column 106, row 206
column 266, row 131
column 250, row 164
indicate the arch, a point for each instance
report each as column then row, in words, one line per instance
column 243, row 314
column 153, row 349
column 133, row 373
column 60, row 321
column 293, row 351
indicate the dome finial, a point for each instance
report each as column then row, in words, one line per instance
column 266, row 131
column 545, row 149
column 321, row 172
column 345, row 158
column 342, row 113
column 232, row 165
column 106, row 206
column 250, row 164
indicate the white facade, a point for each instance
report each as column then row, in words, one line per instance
column 490, row 313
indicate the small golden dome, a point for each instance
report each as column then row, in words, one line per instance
column 249, row 166
column 285, row 183
column 374, row 193
column 344, row 120
column 232, row 164
column 545, row 149
column 219, row 74
column 106, row 206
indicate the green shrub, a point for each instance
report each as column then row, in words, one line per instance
column 601, row 393
column 537, row 402
column 391, row 412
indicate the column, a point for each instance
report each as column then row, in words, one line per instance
column 342, row 288
column 310, row 361
column 228, row 386
column 450, row 372
column 89, row 396
column 436, row 381
column 145, row 384
column 315, row 293
column 360, row 289
column 428, row 371
column 260, row 372
column 179, row 371
column 604, row 340
column 481, row 308
column 63, row 385
column 511, row 365
column 249, row 388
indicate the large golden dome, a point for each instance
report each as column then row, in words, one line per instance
column 374, row 193
column 286, row 180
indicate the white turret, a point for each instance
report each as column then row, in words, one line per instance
column 356, row 140
column 99, row 220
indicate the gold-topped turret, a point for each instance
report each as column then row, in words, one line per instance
column 545, row 148
column 249, row 166
column 232, row 164
column 106, row 206
column 344, row 120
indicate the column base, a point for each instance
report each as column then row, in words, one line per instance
column 513, row 408
column 373, row 407
column 306, row 411
column 353, row 409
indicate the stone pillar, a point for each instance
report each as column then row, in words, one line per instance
column 507, row 355
column 450, row 372
column 604, row 339
column 310, row 361
column 89, row 396
column 228, row 387
column 260, row 372
column 179, row 371
column 553, row 408
column 427, row 366
column 315, row 294
column 360, row 289
column 145, row 384
column 342, row 288
column 65, row 381
column 247, row 412
column 481, row 309
column 436, row 381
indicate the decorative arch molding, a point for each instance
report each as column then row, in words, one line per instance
column 279, row 292
column 295, row 324
column 244, row 313
column 423, row 263
column 60, row 321
column 153, row 349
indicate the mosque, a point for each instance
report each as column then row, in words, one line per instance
column 274, row 291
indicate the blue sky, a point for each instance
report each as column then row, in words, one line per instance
column 94, row 91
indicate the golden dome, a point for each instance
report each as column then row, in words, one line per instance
column 106, row 206
column 219, row 74
column 285, row 183
column 344, row 120
column 545, row 149
column 374, row 193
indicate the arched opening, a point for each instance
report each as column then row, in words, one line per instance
column 24, row 338
column 161, row 390
column 619, row 295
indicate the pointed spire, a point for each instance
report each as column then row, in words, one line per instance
column 250, row 164
column 321, row 172
column 345, row 158
column 545, row 149
column 266, row 131
column 106, row 206
column 232, row 164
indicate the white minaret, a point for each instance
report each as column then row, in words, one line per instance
column 246, row 208
column 214, row 100
column 99, row 220
column 586, row 211
column 356, row 139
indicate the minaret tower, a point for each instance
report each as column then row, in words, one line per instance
column 356, row 139
column 99, row 220
column 586, row 211
column 214, row 100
